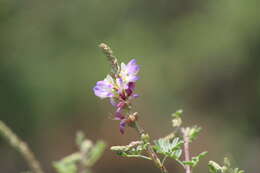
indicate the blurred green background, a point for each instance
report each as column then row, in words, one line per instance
column 200, row 56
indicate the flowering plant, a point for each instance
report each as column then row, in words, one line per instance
column 118, row 87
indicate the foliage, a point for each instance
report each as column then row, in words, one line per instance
column 169, row 148
column 82, row 160
column 226, row 168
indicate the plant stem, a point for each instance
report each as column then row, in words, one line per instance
column 111, row 58
column 115, row 69
column 150, row 150
column 21, row 147
column 186, row 149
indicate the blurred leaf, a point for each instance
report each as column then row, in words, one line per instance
column 226, row 168
column 177, row 114
column 214, row 167
column 67, row 164
column 96, row 152
column 80, row 136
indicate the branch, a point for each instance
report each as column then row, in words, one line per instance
column 21, row 147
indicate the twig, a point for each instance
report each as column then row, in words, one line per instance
column 21, row 147
column 186, row 149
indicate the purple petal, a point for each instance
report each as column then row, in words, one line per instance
column 121, row 104
column 135, row 96
column 131, row 85
column 122, row 96
column 132, row 67
column 103, row 89
column 130, row 89
column 113, row 101
column 119, row 116
column 122, row 126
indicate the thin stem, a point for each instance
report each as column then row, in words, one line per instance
column 111, row 58
column 186, row 149
column 21, row 147
column 150, row 150
column 164, row 159
column 140, row 156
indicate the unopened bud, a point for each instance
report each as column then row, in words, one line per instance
column 145, row 138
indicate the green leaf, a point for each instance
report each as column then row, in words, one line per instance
column 214, row 167
column 188, row 163
column 134, row 149
column 96, row 152
column 67, row 164
column 226, row 168
column 194, row 132
column 177, row 114
column 195, row 160
column 169, row 148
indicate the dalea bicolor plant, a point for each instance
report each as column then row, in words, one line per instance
column 118, row 86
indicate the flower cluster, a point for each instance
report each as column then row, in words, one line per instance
column 119, row 89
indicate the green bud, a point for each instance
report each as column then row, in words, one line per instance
column 176, row 122
column 177, row 114
column 227, row 162
column 145, row 138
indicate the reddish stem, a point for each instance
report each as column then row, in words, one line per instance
column 186, row 149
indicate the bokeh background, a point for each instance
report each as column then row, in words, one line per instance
column 201, row 56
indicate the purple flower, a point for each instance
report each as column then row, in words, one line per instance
column 129, row 72
column 120, row 90
column 105, row 88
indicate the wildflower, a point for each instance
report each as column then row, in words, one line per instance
column 120, row 89
column 105, row 88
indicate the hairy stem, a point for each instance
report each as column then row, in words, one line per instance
column 150, row 150
column 21, row 147
column 186, row 149
column 111, row 58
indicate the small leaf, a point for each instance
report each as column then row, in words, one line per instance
column 194, row 132
column 195, row 160
column 169, row 148
column 214, row 167
column 177, row 114
column 96, row 152
column 188, row 163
